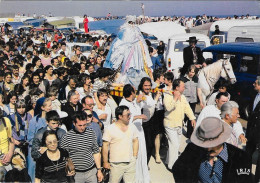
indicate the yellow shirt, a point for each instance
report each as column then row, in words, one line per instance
column 175, row 110
column 4, row 142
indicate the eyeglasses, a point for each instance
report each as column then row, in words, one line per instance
column 90, row 105
column 53, row 142
column 91, row 58
column 129, row 114
column 89, row 115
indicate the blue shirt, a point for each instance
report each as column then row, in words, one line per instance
column 35, row 125
column 94, row 126
column 206, row 169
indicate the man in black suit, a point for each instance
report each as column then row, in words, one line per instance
column 253, row 127
column 192, row 55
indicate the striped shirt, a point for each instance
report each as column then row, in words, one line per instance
column 99, row 84
column 81, row 147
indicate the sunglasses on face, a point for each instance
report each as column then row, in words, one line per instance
column 89, row 115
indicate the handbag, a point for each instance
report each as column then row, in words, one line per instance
column 69, row 165
column 105, row 173
column 68, row 168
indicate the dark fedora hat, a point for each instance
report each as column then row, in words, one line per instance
column 192, row 39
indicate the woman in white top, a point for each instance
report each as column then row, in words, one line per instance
column 86, row 88
column 49, row 76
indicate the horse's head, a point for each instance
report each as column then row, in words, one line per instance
column 227, row 71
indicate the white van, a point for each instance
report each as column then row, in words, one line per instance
column 236, row 31
column 176, row 44
column 84, row 48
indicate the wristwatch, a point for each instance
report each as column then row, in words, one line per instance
column 99, row 168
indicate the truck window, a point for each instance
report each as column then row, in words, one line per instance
column 180, row 45
column 85, row 48
column 248, row 64
column 244, row 39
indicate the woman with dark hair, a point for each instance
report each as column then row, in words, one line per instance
column 29, row 67
column 11, row 100
column 43, row 105
column 85, row 22
column 37, row 64
column 20, row 91
column 46, row 59
column 86, row 86
column 8, row 85
column 99, row 62
column 51, row 166
column 36, row 81
column 28, row 73
column 49, row 76
column 25, row 83
column 20, row 124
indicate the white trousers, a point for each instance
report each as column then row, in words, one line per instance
column 174, row 138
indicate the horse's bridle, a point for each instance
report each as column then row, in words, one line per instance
column 223, row 65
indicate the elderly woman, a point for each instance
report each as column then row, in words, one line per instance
column 50, row 167
column 71, row 106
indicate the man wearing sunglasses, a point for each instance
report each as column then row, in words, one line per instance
column 88, row 103
column 94, row 126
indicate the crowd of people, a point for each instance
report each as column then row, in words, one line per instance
column 59, row 122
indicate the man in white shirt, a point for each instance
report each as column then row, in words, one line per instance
column 121, row 143
column 230, row 114
column 104, row 114
column 213, row 110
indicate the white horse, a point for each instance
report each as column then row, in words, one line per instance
column 209, row 75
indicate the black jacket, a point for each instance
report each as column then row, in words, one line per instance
column 186, row 168
column 253, row 127
column 188, row 58
column 70, row 111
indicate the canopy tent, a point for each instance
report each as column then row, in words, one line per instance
column 35, row 22
column 162, row 30
column 63, row 22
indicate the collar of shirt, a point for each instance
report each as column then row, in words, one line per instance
column 224, row 153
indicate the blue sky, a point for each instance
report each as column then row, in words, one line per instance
column 122, row 8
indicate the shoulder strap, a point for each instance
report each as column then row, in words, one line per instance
column 6, row 128
column 16, row 124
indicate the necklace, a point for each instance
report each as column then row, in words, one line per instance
column 57, row 168
column 57, row 164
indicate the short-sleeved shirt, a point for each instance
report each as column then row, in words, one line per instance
column 5, row 133
column 120, row 143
